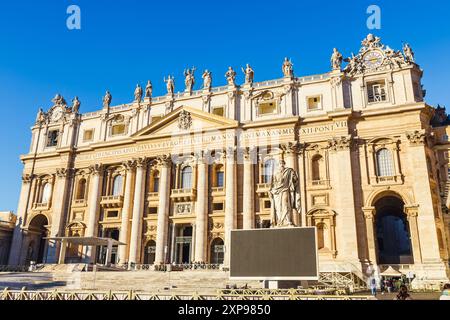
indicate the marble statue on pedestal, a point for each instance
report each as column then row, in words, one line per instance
column 288, row 68
column 207, row 79
column 148, row 89
column 189, row 80
column 284, row 196
column 231, row 76
column 336, row 60
column 138, row 94
column 249, row 74
column 107, row 100
column 76, row 105
column 170, row 85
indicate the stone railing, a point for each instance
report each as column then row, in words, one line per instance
column 24, row 295
column 111, row 201
column 152, row 196
column 41, row 206
column 184, row 194
column 79, row 203
column 262, row 188
column 217, row 191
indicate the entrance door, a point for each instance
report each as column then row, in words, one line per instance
column 184, row 245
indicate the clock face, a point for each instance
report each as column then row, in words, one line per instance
column 373, row 59
column 57, row 113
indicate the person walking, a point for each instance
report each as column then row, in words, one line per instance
column 373, row 287
column 445, row 292
column 403, row 294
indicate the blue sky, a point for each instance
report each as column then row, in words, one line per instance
column 125, row 42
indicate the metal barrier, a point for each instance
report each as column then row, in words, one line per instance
column 25, row 295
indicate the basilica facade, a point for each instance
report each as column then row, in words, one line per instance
column 169, row 177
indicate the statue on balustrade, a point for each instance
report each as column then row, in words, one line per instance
column 138, row 94
column 284, row 196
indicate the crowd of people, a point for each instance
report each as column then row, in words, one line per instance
column 400, row 286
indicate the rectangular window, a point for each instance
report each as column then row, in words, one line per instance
column 314, row 103
column 88, row 135
column 220, row 179
column 112, row 214
column 52, row 138
column 117, row 129
column 376, row 92
column 218, row 206
column 267, row 108
column 267, row 204
column 218, row 111
column 153, row 210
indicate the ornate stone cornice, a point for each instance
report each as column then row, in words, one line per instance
column 417, row 137
column 141, row 162
column 340, row 143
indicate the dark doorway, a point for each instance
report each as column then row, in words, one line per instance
column 217, row 251
column 392, row 230
column 149, row 252
column 38, row 244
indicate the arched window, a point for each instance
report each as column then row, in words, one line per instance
column 117, row 186
column 156, row 181
column 219, row 176
column 268, row 170
column 316, row 168
column 385, row 167
column 81, row 190
column 186, row 178
column 217, row 251
column 46, row 193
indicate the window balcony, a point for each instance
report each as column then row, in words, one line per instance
column 112, row 202
column 319, row 184
column 41, row 206
column 184, row 194
column 152, row 196
column 387, row 180
column 217, row 191
column 79, row 203
column 262, row 189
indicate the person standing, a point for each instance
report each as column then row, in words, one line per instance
column 445, row 292
column 373, row 287
column 403, row 294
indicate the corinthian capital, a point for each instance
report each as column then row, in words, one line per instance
column 26, row 178
column 340, row 143
column 417, row 137
column 141, row 162
column 62, row 172
column 96, row 169
column 164, row 161
column 291, row 147
column 129, row 165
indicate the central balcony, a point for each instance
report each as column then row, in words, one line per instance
column 112, row 202
column 78, row 203
column 217, row 191
column 183, row 195
column 152, row 196
column 262, row 189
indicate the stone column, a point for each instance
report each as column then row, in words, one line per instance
column 201, row 221
column 172, row 243
column 230, row 202
column 341, row 175
column 138, row 211
column 249, row 191
column 16, row 244
column 412, row 213
column 126, row 211
column 369, row 214
column 163, row 210
column 94, row 207
column 59, row 208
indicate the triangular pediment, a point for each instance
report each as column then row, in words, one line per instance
column 185, row 120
